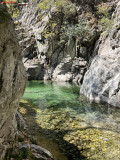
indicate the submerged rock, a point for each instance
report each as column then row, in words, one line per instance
column 40, row 153
column 34, row 151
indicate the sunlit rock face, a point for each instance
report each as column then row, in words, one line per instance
column 12, row 83
column 102, row 80
column 65, row 59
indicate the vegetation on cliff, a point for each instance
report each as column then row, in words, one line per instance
column 103, row 11
column 67, row 20
column 4, row 15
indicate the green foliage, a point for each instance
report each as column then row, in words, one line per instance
column 13, row 10
column 103, row 12
column 47, row 4
column 69, row 9
column 106, row 23
column 4, row 15
column 103, row 9
column 16, row 12
column 61, row 11
column 64, row 6
column 8, row 152
column 81, row 30
column 50, row 30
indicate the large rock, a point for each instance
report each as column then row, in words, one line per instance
column 12, row 82
column 102, row 80
column 70, row 69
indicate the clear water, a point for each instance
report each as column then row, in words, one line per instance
column 59, row 106
column 65, row 96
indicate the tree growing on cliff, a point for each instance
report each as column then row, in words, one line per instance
column 59, row 13
column 104, row 16
column 81, row 30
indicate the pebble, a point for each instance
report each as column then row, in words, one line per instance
column 106, row 139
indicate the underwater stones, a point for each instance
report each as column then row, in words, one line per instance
column 40, row 153
column 28, row 151
column 74, row 138
column 106, row 139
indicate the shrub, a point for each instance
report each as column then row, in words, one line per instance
column 104, row 17
column 103, row 9
column 81, row 30
column 106, row 23
column 16, row 12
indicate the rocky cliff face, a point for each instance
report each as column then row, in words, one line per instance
column 102, row 80
column 59, row 58
column 12, row 81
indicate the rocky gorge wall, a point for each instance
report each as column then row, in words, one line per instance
column 54, row 55
column 102, row 80
column 12, row 80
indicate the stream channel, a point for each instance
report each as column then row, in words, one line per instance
column 68, row 125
